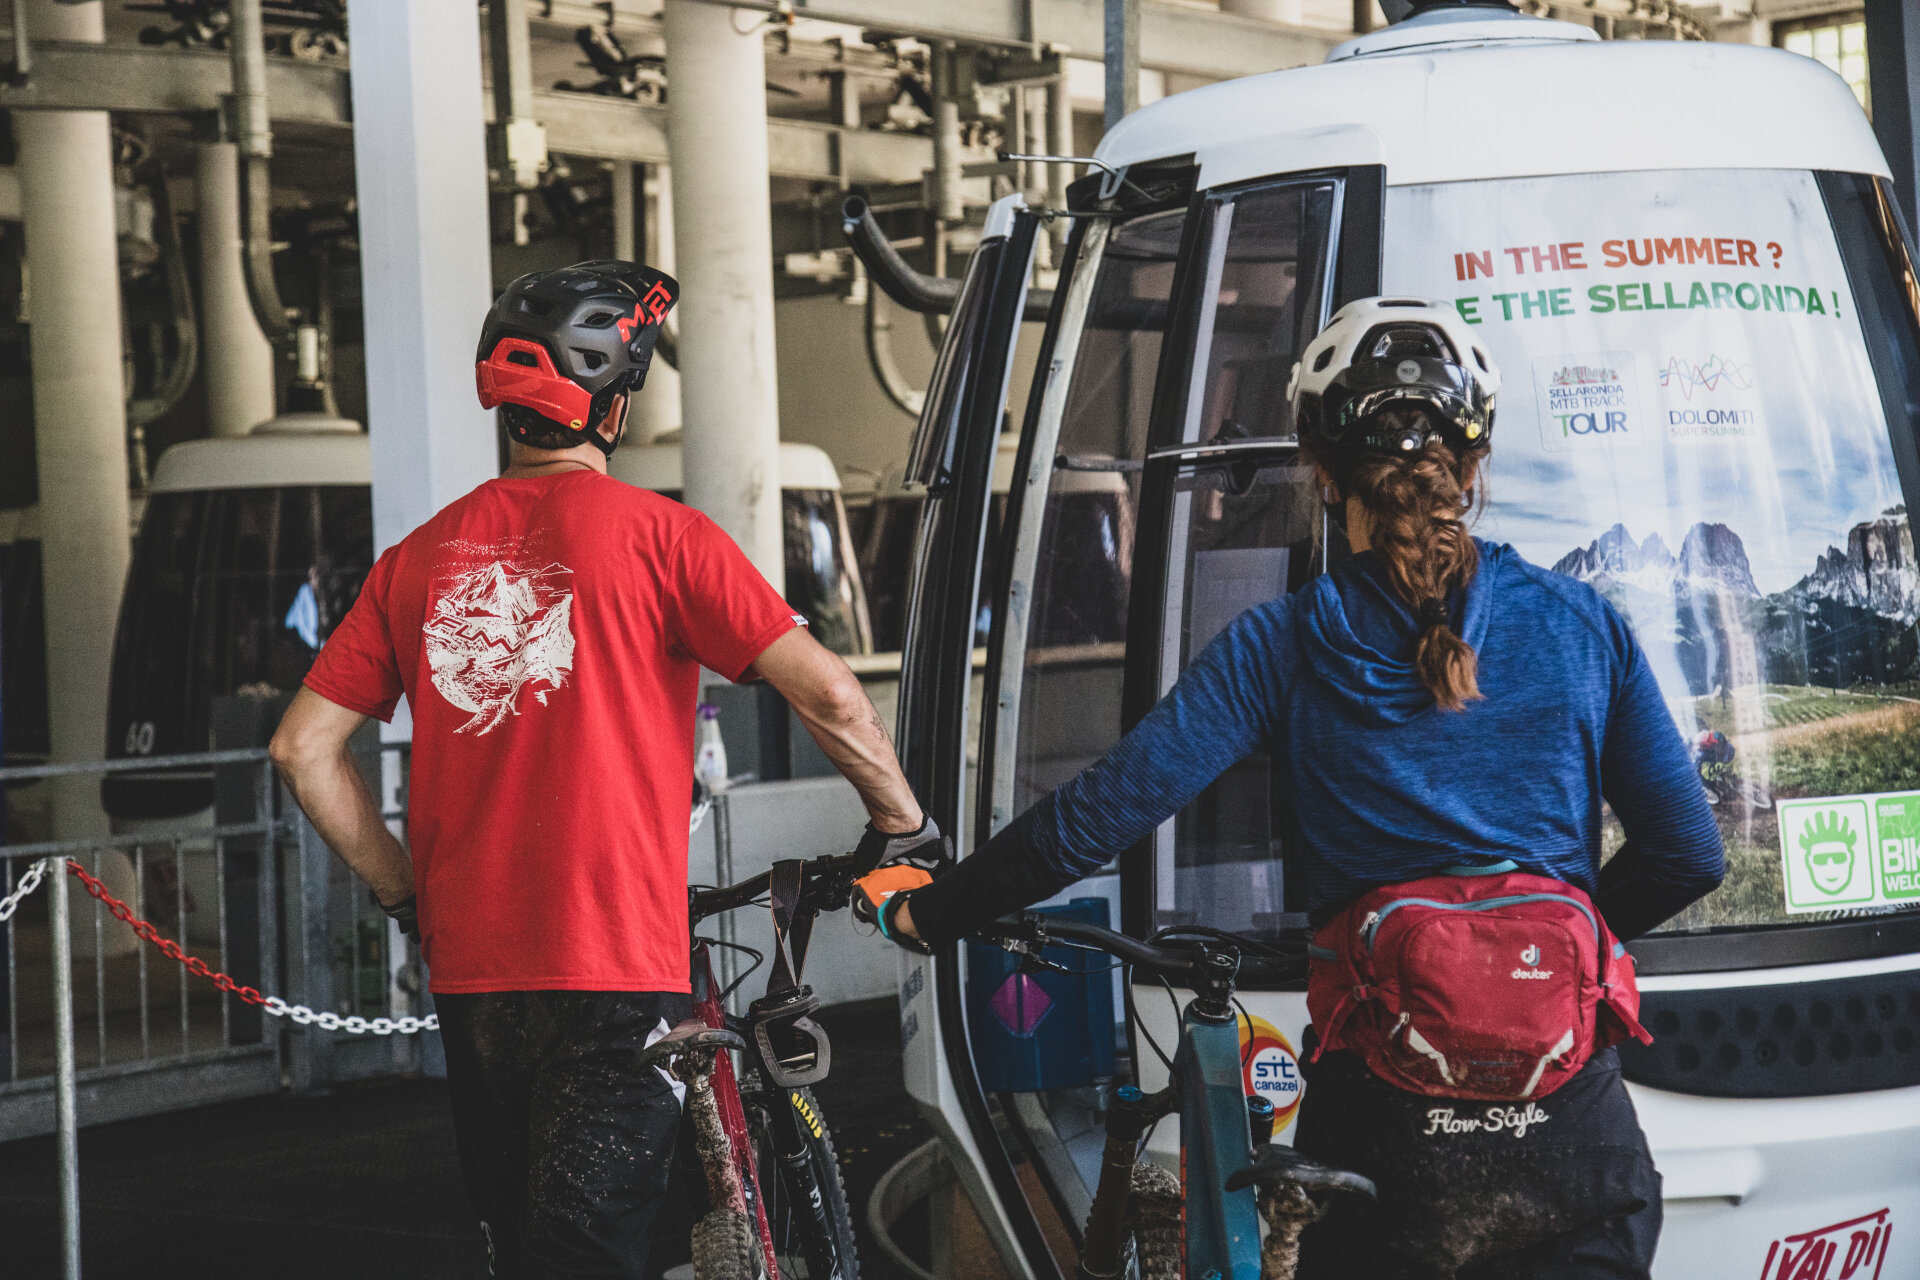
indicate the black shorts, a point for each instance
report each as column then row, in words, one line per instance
column 1558, row 1189
column 565, row 1143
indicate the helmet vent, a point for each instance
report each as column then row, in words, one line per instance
column 1322, row 360
column 523, row 357
column 600, row 320
column 1409, row 342
column 1480, row 357
column 590, row 359
column 534, row 306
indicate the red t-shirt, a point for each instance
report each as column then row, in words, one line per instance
column 549, row 634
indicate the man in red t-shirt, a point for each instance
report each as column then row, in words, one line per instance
column 548, row 631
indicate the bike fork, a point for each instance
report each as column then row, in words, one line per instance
column 790, row 1148
column 1103, row 1246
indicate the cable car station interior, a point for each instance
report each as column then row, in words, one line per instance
column 991, row 330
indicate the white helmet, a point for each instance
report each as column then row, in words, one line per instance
column 1377, row 352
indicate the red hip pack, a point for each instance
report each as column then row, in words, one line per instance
column 1480, row 982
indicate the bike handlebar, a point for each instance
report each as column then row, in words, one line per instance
column 826, row 885
column 1182, row 962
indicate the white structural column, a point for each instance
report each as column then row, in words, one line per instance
column 419, row 148
column 717, row 144
column 643, row 232
column 79, row 411
column 235, row 356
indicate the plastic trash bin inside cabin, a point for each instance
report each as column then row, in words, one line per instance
column 1042, row 1029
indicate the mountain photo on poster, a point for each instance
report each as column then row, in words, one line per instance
column 1850, row 619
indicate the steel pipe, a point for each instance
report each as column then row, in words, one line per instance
column 253, row 134
column 239, row 359
column 914, row 290
column 66, row 1119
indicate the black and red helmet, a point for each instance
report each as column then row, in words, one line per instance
column 559, row 345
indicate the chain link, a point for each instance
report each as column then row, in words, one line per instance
column 297, row 1013
column 29, row 881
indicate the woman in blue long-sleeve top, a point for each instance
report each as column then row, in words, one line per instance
column 1435, row 700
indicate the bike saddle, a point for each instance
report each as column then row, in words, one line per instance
column 1275, row 1164
column 689, row 1037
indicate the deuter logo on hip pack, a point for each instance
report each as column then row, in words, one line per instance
column 1529, row 966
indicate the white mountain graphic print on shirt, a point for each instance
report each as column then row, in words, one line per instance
column 497, row 627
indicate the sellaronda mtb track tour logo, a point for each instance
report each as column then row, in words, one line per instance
column 1586, row 399
column 496, row 627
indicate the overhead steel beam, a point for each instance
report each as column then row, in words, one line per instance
column 601, row 128
column 1172, row 37
column 104, row 77
column 75, row 77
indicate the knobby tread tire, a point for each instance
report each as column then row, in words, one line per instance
column 825, row 1163
column 725, row 1247
column 1153, row 1220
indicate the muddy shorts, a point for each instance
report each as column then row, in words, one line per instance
column 565, row 1144
column 1558, row 1189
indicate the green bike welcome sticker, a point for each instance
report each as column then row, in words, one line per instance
column 1851, row 851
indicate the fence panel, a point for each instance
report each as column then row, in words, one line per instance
column 146, row 1036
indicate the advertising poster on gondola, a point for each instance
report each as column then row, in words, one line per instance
column 1689, row 422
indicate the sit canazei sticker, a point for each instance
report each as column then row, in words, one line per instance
column 1851, row 851
column 1270, row 1067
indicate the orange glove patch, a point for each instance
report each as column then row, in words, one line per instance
column 872, row 890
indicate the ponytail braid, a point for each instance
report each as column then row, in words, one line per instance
column 1418, row 506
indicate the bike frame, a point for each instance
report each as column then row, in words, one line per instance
column 799, row 892
column 726, row 1091
column 1221, row 1228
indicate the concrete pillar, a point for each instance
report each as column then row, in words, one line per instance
column 1059, row 143
column 80, row 428
column 235, row 356
column 1122, row 58
column 420, row 158
column 717, row 144
column 80, row 423
column 643, row 232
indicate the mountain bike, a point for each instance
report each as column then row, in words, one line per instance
column 1713, row 761
column 1204, row 1224
column 769, row 1201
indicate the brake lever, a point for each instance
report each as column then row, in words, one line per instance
column 1030, row 945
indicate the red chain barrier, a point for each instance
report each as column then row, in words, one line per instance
column 168, row 947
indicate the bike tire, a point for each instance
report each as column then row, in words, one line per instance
column 1153, row 1222
column 824, row 1163
column 725, row 1247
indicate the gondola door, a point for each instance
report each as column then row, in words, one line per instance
column 1167, row 358
column 952, row 460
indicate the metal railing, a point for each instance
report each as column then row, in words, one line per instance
column 99, row 1024
column 209, row 884
column 171, row 871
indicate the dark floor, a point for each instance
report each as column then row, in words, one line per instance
column 361, row 1183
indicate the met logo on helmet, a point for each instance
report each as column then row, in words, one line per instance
column 651, row 309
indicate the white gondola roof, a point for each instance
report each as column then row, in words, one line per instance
column 265, row 461
column 1470, row 103
column 657, row 466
